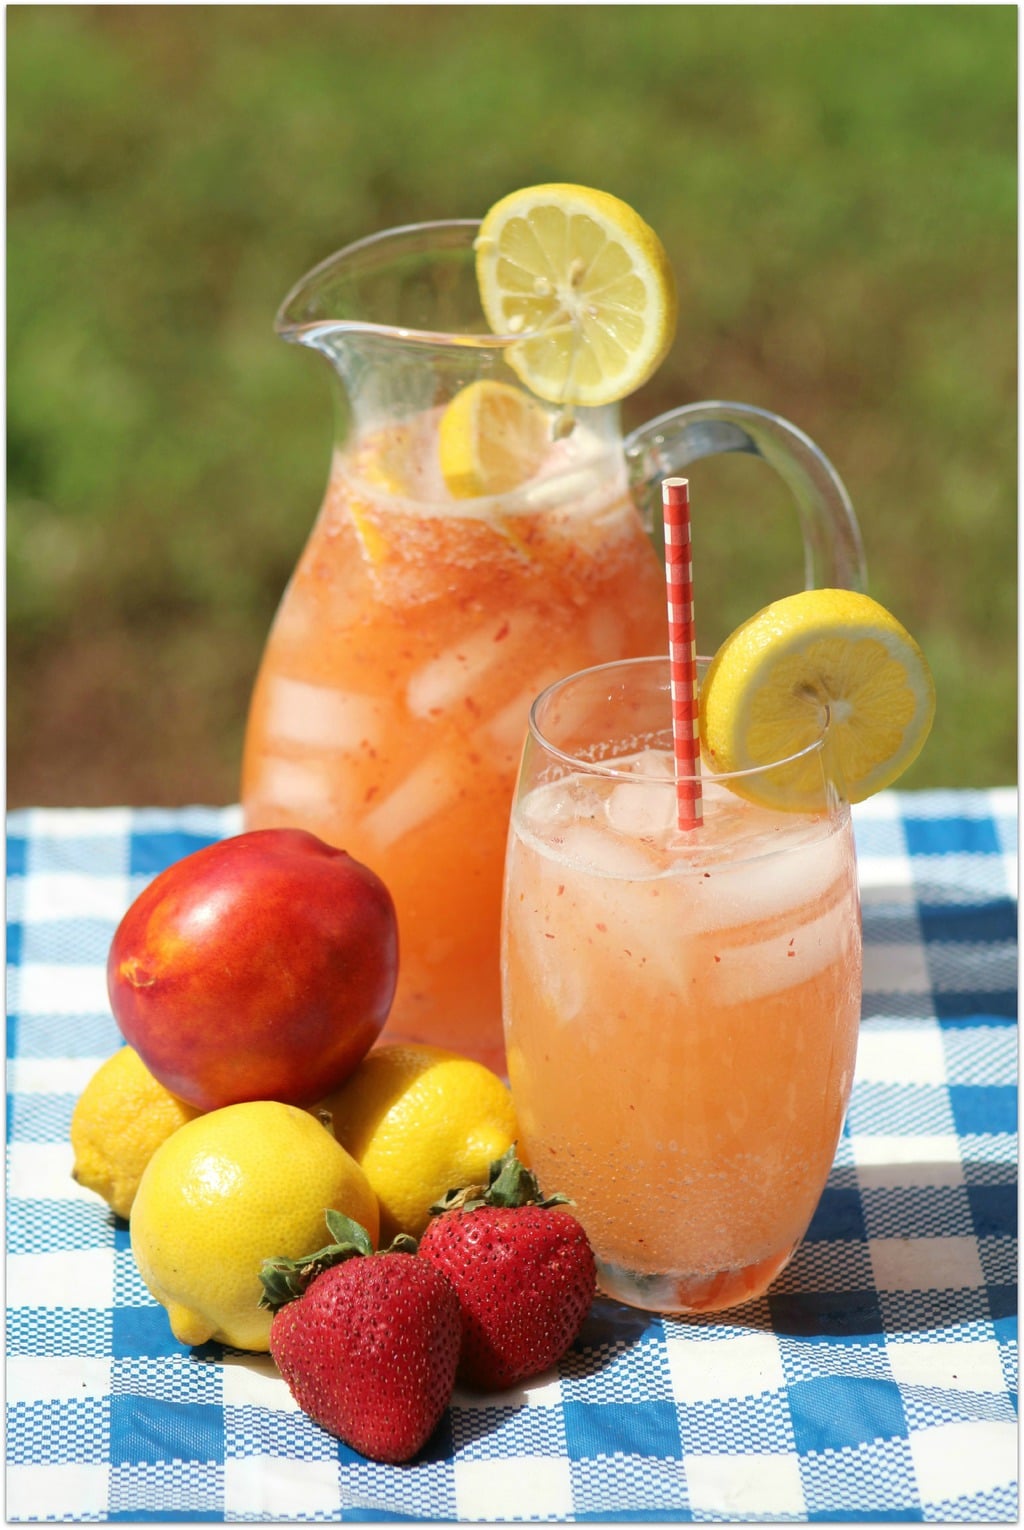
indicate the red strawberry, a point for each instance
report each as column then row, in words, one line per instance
column 524, row 1272
column 369, row 1345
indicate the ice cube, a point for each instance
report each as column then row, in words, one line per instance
column 655, row 764
column 446, row 680
column 775, row 877
column 506, row 729
column 596, row 905
column 792, row 956
column 425, row 792
column 553, row 966
column 642, row 808
column 548, row 810
column 623, row 908
column 301, row 785
column 605, row 633
column 294, row 626
column 319, row 715
column 592, row 848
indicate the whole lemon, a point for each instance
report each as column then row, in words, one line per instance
column 228, row 1190
column 119, row 1120
column 421, row 1121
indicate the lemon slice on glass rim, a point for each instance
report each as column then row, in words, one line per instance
column 817, row 654
column 586, row 283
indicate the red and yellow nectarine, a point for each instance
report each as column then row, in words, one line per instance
column 260, row 967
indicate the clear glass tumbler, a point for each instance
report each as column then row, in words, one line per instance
column 681, row 1007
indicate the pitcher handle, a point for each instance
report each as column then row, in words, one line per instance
column 833, row 552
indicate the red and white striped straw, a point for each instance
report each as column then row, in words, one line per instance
column 682, row 651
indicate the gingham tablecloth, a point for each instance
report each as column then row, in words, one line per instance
column 876, row 1381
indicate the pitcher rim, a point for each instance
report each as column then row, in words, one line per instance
column 289, row 329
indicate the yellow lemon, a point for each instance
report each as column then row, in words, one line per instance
column 588, row 285
column 119, row 1120
column 492, row 437
column 421, row 1121
column 817, row 655
column 228, row 1190
column 383, row 461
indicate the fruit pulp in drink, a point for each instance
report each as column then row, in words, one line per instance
column 391, row 703
column 682, row 1010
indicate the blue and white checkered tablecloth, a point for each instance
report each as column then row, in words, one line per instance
column 877, row 1380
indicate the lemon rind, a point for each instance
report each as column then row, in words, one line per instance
column 648, row 265
column 745, row 665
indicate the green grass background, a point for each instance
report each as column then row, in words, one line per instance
column 836, row 187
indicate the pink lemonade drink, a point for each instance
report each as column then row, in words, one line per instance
column 393, row 696
column 681, row 1006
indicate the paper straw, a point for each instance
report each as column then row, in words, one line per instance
column 682, row 651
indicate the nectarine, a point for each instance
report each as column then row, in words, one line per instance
column 260, row 967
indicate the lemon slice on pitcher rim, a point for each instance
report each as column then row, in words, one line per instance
column 492, row 438
column 817, row 655
column 587, row 284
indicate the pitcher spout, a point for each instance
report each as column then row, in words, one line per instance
column 415, row 284
column 398, row 316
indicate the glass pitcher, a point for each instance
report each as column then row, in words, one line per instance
column 391, row 703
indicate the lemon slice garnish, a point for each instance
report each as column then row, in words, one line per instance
column 492, row 438
column 819, row 654
column 587, row 284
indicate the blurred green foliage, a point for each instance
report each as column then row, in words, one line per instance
column 837, row 190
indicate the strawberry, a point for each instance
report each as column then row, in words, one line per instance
column 524, row 1271
column 368, row 1343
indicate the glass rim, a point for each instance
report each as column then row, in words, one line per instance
column 608, row 770
column 292, row 329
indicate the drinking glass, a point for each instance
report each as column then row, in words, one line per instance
column 681, row 1006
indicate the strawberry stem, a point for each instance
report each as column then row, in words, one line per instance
column 509, row 1183
column 285, row 1279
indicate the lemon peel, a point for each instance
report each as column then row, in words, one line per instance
column 226, row 1191
column 492, row 437
column 120, row 1119
column 420, row 1120
column 380, row 462
column 587, row 284
column 834, row 657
